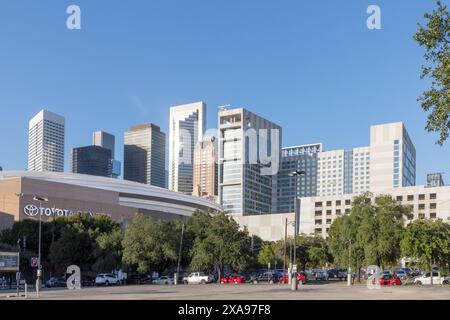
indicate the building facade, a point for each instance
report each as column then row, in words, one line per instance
column 70, row 194
column 46, row 139
column 299, row 158
column 108, row 141
column 105, row 140
column 92, row 160
column 388, row 162
column 318, row 213
column 249, row 161
column 206, row 170
column 187, row 124
column 144, row 155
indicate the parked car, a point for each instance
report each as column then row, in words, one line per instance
column 55, row 282
column 163, row 280
column 233, row 278
column 106, row 279
column 401, row 273
column 136, row 279
column 425, row 279
column 390, row 280
column 337, row 274
column 301, row 278
column 197, row 278
column 266, row 277
column 321, row 275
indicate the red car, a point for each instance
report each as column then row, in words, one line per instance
column 301, row 277
column 390, row 280
column 233, row 278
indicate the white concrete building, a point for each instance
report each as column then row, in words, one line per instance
column 46, row 138
column 186, row 128
column 318, row 213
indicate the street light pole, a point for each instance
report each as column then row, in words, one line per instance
column 295, row 174
column 39, row 271
column 179, row 255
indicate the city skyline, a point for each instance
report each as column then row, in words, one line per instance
column 275, row 70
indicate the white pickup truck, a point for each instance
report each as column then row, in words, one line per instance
column 197, row 278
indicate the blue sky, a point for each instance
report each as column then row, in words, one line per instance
column 311, row 66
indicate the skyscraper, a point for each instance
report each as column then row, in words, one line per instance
column 206, row 169
column 301, row 158
column 46, row 137
column 249, row 160
column 108, row 141
column 105, row 140
column 144, row 155
column 187, row 125
column 92, row 160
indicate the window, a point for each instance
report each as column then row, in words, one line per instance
column 338, row 212
column 432, row 215
column 338, row 202
column 348, row 202
column 399, row 198
column 433, row 196
column 432, row 205
column 421, row 207
column 329, row 204
column 318, row 204
column 347, row 210
column 421, row 197
column 410, row 198
column 328, row 212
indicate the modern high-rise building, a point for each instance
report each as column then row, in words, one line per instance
column 108, row 141
column 92, row 160
column 249, row 161
column 46, row 138
column 433, row 180
column 187, row 125
column 299, row 158
column 388, row 162
column 206, row 169
column 105, row 140
column 144, row 155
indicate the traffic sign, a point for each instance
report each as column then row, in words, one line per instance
column 34, row 262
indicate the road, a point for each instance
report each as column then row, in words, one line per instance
column 329, row 291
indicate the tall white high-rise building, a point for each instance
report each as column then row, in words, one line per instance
column 186, row 128
column 46, row 137
column 249, row 161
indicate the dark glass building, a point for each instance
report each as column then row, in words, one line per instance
column 92, row 160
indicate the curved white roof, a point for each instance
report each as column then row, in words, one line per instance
column 116, row 185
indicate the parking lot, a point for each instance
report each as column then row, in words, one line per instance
column 325, row 291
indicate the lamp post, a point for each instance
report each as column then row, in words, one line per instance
column 39, row 271
column 295, row 174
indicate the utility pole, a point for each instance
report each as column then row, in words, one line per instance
column 285, row 248
column 349, row 273
column 179, row 255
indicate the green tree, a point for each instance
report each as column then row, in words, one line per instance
column 270, row 253
column 370, row 234
column 109, row 251
column 435, row 37
column 429, row 242
column 221, row 243
column 150, row 244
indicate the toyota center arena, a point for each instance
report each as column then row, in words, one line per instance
column 70, row 194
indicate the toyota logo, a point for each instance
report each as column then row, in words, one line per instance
column 31, row 210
